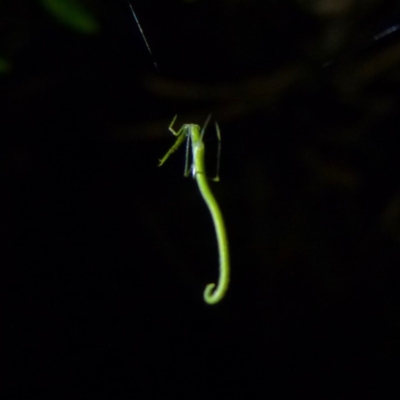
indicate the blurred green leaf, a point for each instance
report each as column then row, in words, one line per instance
column 73, row 14
column 5, row 66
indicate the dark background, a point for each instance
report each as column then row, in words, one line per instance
column 105, row 256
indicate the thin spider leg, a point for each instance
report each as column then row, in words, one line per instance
column 171, row 125
column 203, row 129
column 187, row 167
column 180, row 138
column 175, row 147
column 216, row 178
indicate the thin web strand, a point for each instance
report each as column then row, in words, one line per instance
column 144, row 37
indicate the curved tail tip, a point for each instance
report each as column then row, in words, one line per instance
column 211, row 296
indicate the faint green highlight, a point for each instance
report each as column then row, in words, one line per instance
column 72, row 14
column 5, row 66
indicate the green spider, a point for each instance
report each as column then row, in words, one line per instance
column 193, row 135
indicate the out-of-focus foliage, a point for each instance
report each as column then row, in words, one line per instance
column 5, row 66
column 73, row 14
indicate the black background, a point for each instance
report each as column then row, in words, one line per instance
column 105, row 256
